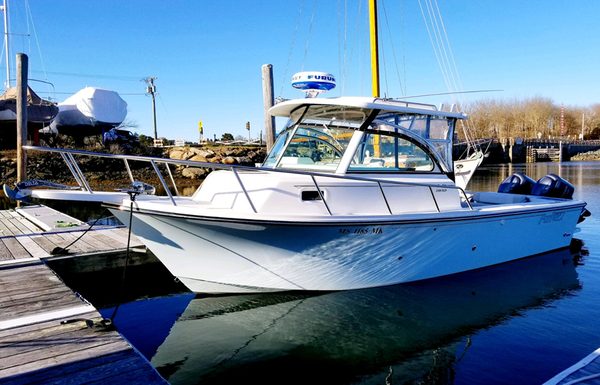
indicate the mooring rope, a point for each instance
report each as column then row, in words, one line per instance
column 65, row 250
column 132, row 195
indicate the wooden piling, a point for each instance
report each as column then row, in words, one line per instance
column 22, row 68
column 268, row 101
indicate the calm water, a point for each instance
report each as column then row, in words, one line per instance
column 519, row 323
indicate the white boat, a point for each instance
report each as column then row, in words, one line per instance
column 90, row 111
column 357, row 192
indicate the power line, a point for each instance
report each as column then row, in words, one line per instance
column 95, row 76
column 71, row 93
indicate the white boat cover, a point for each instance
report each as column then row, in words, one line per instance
column 92, row 107
column 97, row 104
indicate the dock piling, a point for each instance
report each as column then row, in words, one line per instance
column 268, row 101
column 22, row 69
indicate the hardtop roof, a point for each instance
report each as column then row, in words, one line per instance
column 285, row 108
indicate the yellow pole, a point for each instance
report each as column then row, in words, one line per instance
column 374, row 47
column 374, row 64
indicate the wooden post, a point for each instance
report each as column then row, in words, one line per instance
column 22, row 68
column 268, row 101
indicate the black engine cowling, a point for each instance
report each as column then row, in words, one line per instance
column 553, row 186
column 517, row 183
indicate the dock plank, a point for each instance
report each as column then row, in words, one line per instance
column 67, row 351
column 16, row 249
column 17, row 222
column 4, row 230
column 32, row 247
column 103, row 237
column 30, row 289
column 45, row 243
column 5, row 254
column 80, row 243
column 101, row 368
column 93, row 238
column 10, row 226
column 25, row 222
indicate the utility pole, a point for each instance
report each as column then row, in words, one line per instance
column 248, row 128
column 151, row 89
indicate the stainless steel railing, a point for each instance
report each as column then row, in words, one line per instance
column 68, row 155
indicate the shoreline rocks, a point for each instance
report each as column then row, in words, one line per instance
column 586, row 156
column 109, row 172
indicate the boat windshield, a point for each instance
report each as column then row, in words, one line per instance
column 383, row 151
column 437, row 131
column 316, row 137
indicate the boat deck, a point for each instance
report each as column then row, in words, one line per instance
column 48, row 333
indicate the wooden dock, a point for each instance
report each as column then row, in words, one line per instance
column 22, row 237
column 48, row 333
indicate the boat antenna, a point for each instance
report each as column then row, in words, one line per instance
column 313, row 83
column 449, row 93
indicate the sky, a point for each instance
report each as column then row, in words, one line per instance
column 207, row 55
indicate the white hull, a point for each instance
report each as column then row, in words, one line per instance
column 240, row 257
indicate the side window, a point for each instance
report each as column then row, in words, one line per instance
column 389, row 153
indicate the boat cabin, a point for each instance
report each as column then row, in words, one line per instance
column 363, row 136
column 348, row 156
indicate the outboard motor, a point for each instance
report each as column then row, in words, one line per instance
column 553, row 186
column 517, row 183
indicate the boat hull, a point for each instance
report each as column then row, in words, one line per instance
column 226, row 256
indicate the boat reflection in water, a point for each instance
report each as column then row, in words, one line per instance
column 406, row 332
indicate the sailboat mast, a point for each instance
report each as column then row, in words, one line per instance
column 374, row 47
column 5, row 10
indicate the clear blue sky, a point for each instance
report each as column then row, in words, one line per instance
column 207, row 55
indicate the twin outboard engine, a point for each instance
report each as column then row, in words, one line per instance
column 517, row 183
column 553, row 186
column 550, row 185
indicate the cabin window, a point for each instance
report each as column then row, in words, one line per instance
column 426, row 126
column 315, row 148
column 438, row 131
column 389, row 153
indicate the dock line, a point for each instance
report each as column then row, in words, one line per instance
column 65, row 250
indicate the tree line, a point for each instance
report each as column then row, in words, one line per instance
column 533, row 118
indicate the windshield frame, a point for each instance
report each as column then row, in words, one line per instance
column 358, row 119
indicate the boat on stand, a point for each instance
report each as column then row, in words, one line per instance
column 356, row 192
